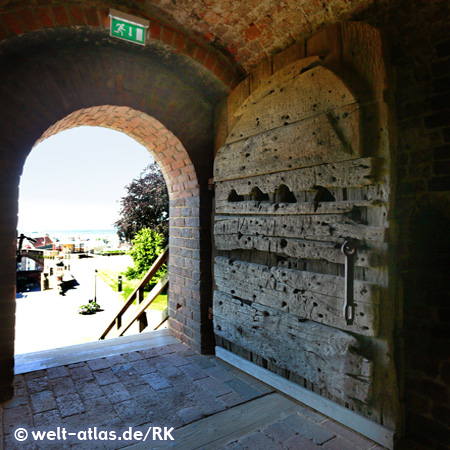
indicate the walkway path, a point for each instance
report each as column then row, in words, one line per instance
column 210, row 404
column 48, row 320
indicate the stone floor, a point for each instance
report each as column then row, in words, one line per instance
column 166, row 386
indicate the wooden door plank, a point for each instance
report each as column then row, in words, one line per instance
column 269, row 85
column 312, row 93
column 326, row 138
column 325, row 356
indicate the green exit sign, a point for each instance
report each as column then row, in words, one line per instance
column 127, row 27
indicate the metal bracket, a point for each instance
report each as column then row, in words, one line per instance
column 349, row 248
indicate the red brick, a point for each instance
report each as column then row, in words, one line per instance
column 167, row 35
column 209, row 61
column 29, row 20
column 200, row 54
column 44, row 17
column 253, row 32
column 76, row 15
column 179, row 42
column 91, row 17
column 13, row 23
column 219, row 69
column 60, row 15
column 155, row 30
column 104, row 17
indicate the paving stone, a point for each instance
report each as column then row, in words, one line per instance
column 88, row 389
column 62, row 386
column 105, row 376
column 98, row 364
column 193, row 372
column 10, row 443
column 347, row 434
column 207, row 403
column 82, row 373
column 258, row 441
column 132, row 413
column 38, row 384
column 219, row 373
column 279, row 432
column 74, row 365
column 243, row 389
column 190, row 414
column 298, row 442
column 36, row 374
column 77, row 422
column 57, row 372
column 69, row 404
column 43, row 401
column 309, row 429
column 175, row 359
column 133, row 356
column 179, row 347
column 116, row 392
column 157, row 381
column 311, row 414
column 20, row 387
column 339, row 444
column 47, row 419
column 157, row 351
column 232, row 446
column 116, row 359
column 144, row 395
column 100, row 409
column 214, row 387
column 174, row 399
column 15, row 401
column 200, row 361
column 17, row 417
column 168, row 370
column 143, row 366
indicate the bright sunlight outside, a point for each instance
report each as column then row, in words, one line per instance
column 69, row 201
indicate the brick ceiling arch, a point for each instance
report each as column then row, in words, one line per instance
column 48, row 75
column 227, row 36
column 167, row 150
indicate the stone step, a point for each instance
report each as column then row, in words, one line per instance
column 29, row 362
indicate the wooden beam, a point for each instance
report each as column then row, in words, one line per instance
column 372, row 430
column 314, row 92
column 325, row 356
column 327, row 137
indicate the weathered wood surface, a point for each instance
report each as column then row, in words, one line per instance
column 308, row 295
column 325, row 356
column 355, row 172
column 273, row 84
column 324, row 138
column 312, row 93
column 296, row 248
column 283, row 280
column 331, row 227
column 257, row 207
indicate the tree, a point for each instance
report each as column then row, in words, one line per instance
column 146, row 205
column 147, row 246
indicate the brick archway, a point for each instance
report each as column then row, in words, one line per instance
column 184, row 193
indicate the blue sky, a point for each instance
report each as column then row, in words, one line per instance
column 74, row 180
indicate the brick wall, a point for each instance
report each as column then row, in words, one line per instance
column 417, row 33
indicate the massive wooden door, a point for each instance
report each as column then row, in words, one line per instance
column 296, row 178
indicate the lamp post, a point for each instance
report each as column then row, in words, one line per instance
column 95, row 287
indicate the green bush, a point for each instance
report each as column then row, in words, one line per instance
column 147, row 246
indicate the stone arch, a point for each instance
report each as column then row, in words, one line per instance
column 184, row 194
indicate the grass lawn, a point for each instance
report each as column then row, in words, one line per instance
column 110, row 276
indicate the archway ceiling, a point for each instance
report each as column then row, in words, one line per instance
column 242, row 31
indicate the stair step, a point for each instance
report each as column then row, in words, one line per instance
column 29, row 362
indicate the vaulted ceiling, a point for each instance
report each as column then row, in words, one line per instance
column 240, row 31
